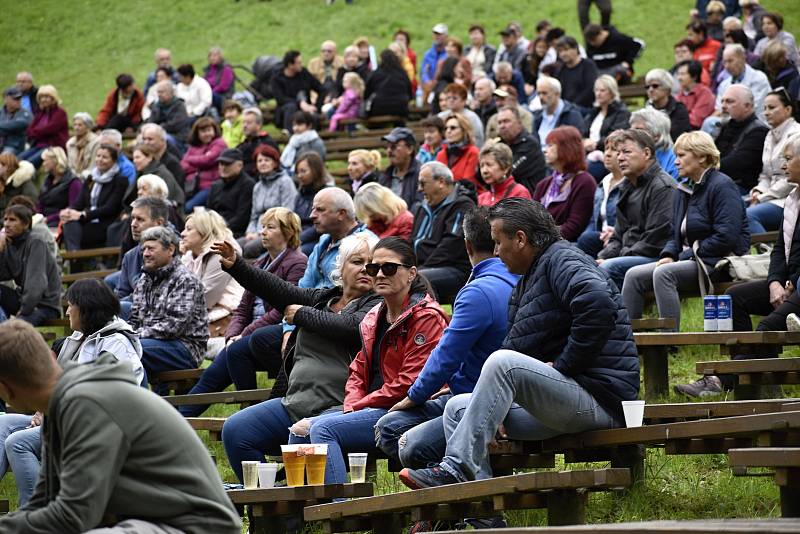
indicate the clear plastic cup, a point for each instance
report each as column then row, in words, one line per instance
column 358, row 466
column 250, row 474
column 634, row 412
column 294, row 463
column 266, row 475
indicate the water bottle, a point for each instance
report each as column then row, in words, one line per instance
column 418, row 98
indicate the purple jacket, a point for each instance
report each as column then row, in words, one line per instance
column 290, row 268
column 219, row 77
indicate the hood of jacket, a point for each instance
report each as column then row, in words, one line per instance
column 73, row 344
column 24, row 173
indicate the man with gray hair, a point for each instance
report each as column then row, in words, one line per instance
column 741, row 139
column 658, row 125
column 155, row 136
column 555, row 111
column 170, row 112
column 169, row 306
column 114, row 138
column 734, row 60
column 252, row 122
column 484, row 104
column 438, row 236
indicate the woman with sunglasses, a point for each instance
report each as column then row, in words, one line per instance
column 397, row 337
column 459, row 152
column 765, row 211
column 318, row 352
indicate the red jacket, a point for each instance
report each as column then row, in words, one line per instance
column 49, row 127
column 464, row 166
column 706, row 53
column 400, row 226
column 700, row 102
column 404, row 351
column 505, row 189
column 110, row 108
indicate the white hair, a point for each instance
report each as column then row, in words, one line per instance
column 492, row 85
column 254, row 111
column 112, row 135
column 552, row 83
column 662, row 77
column 156, row 185
column 85, row 118
column 339, row 200
column 656, row 123
column 156, row 129
column 349, row 246
column 439, row 171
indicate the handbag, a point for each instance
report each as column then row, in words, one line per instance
column 745, row 268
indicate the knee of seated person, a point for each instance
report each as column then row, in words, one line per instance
column 454, row 409
column 232, row 430
column 410, row 453
column 320, row 432
column 15, row 444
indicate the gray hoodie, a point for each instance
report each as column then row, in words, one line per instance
column 113, row 451
column 116, row 337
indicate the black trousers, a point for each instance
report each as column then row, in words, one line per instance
column 605, row 12
column 77, row 235
column 10, row 302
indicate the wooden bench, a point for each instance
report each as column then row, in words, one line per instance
column 661, row 323
column 765, row 237
column 68, row 279
column 786, row 463
column 691, row 411
column 654, row 348
column 752, row 374
column 268, row 506
column 703, row 526
column 177, row 382
column 4, row 506
column 244, row 398
column 213, row 425
column 562, row 493
column 103, row 252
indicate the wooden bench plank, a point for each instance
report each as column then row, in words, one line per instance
column 765, row 237
column 667, row 339
column 662, row 413
column 74, row 277
column 765, row 457
column 300, row 493
column 247, row 396
column 661, row 323
column 171, row 376
column 760, row 365
column 706, row 526
column 89, row 253
column 4, row 506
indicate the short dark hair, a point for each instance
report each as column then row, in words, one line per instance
column 478, row 231
column 389, row 61
column 553, row 34
column 433, row 121
column 290, row 57
column 404, row 34
column 187, row 69
column 775, row 17
column 478, row 27
column 405, row 250
column 22, row 200
column 124, row 81
column 698, row 26
column 112, row 150
column 168, row 70
column 96, row 303
column 567, row 42
column 303, row 117
column 642, row 138
column 694, row 68
column 23, row 213
column 684, row 42
column 591, row 31
column 542, row 24
column 157, row 207
column 526, row 216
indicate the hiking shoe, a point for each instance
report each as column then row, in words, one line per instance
column 426, row 478
column 706, row 386
column 490, row 522
column 793, row 323
column 431, row 526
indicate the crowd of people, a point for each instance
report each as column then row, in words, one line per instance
column 536, row 204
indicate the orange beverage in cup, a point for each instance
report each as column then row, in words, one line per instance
column 294, row 462
column 315, row 464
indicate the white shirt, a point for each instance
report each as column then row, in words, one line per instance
column 196, row 95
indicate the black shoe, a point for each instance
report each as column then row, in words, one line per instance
column 489, row 522
column 430, row 477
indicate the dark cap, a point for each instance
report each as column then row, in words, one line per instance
column 401, row 134
column 13, row 92
column 230, row 155
column 508, row 30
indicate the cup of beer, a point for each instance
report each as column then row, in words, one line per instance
column 294, row 463
column 250, row 474
column 316, row 457
column 358, row 466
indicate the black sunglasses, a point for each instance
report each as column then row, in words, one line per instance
column 389, row 268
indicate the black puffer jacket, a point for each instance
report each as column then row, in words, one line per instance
column 781, row 268
column 567, row 311
column 616, row 118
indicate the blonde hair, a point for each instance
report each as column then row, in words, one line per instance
column 500, row 151
column 701, row 145
column 58, row 154
column 373, row 200
column 48, row 90
column 353, row 81
column 156, row 185
column 609, row 83
column 369, row 158
column 210, row 225
column 466, row 127
column 289, row 222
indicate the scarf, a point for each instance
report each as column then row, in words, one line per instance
column 454, row 151
column 98, row 180
column 554, row 193
column 290, row 152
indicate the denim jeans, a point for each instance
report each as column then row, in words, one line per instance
column 617, row 267
column 666, row 281
column 33, row 155
column 20, row 448
column 589, row 242
column 343, row 433
column 112, row 280
column 10, row 423
column 446, row 281
column 159, row 355
column 125, row 307
column 251, row 433
column 260, row 352
column 199, row 199
column 414, row 436
column 765, row 217
column 532, row 400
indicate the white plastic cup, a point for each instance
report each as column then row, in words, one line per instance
column 358, row 466
column 250, row 474
column 634, row 412
column 266, row 475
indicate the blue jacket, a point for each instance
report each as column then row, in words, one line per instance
column 129, row 273
column 323, row 260
column 429, row 62
column 478, row 327
column 13, row 127
column 666, row 158
column 126, row 168
column 567, row 311
column 715, row 216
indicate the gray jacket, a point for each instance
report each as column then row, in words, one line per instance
column 272, row 190
column 134, row 456
column 13, row 127
column 29, row 261
column 644, row 216
column 116, row 337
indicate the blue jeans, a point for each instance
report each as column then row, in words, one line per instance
column 159, row 355
column 250, row 433
column 33, row 155
column 414, row 436
column 532, row 400
column 20, row 448
column 112, row 280
column 765, row 217
column 589, row 242
column 343, row 433
column 125, row 307
column 199, row 199
column 617, row 267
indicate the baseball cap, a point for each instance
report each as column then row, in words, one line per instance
column 13, row 92
column 440, row 28
column 508, row 30
column 230, row 155
column 503, row 93
column 401, row 134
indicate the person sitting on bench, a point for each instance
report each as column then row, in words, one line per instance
column 566, row 363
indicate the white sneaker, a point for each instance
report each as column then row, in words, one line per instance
column 793, row 322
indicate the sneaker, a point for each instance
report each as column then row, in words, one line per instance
column 706, row 386
column 490, row 522
column 426, row 478
column 793, row 323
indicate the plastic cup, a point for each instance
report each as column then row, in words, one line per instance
column 250, row 474
column 266, row 475
column 294, row 463
column 358, row 466
column 634, row 412
column 315, row 464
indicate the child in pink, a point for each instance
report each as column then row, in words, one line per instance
column 350, row 101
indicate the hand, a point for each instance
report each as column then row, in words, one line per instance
column 3, row 239
column 308, row 108
column 606, row 235
column 501, row 433
column 251, row 236
column 301, row 428
column 285, row 341
column 36, row 420
column 233, row 339
column 664, row 261
column 404, row 404
column 777, row 294
column 599, row 261
column 226, row 253
column 288, row 313
column 69, row 214
column 443, row 391
column 589, row 145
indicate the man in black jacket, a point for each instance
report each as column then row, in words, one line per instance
column 403, row 171
column 528, row 166
column 252, row 122
column 613, row 52
column 741, row 139
column 566, row 363
column 577, row 75
column 644, row 207
column 232, row 195
column 169, row 112
column 292, row 87
column 438, row 236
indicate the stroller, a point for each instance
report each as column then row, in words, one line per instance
column 258, row 90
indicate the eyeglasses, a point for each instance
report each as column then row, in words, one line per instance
column 389, row 268
column 653, row 86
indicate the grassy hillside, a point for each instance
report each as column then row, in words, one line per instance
column 81, row 45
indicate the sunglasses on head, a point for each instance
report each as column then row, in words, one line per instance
column 389, row 268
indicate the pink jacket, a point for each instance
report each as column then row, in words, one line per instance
column 200, row 163
column 348, row 109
